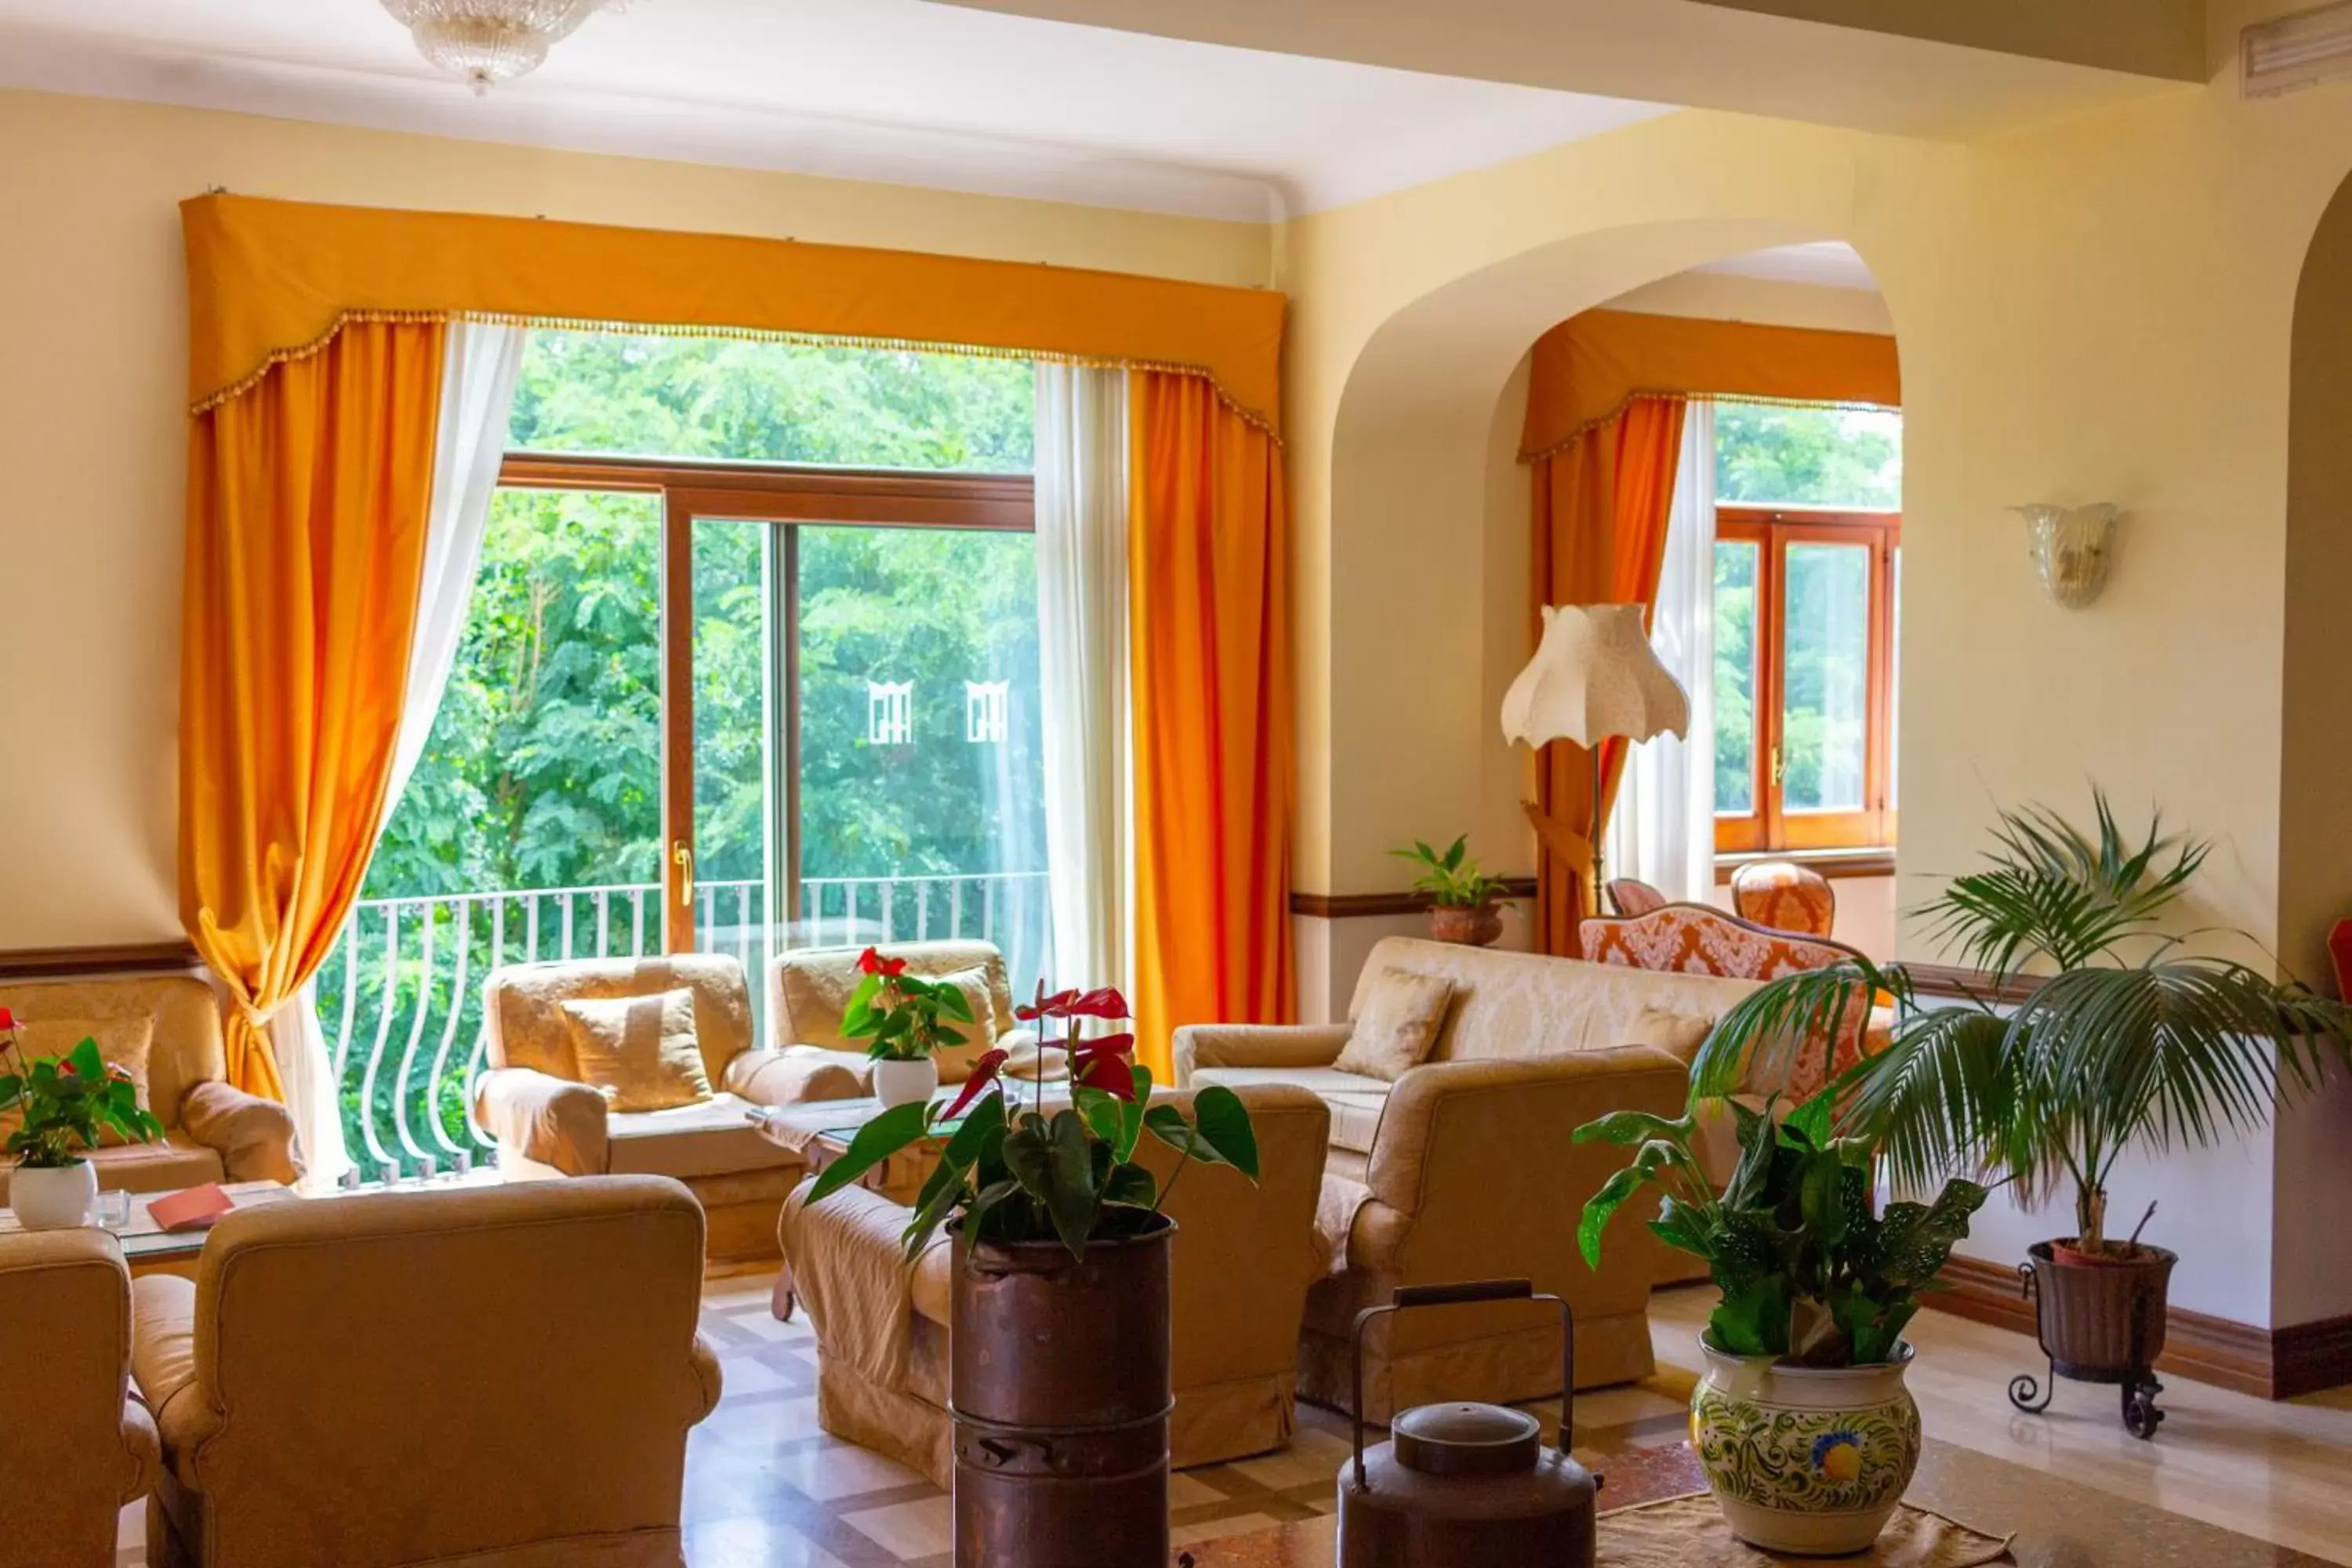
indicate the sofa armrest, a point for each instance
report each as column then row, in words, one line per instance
column 709, row 1382
column 1257, row 1046
column 796, row 1075
column 549, row 1120
column 164, row 1367
column 253, row 1136
column 145, row 1447
column 1030, row 1061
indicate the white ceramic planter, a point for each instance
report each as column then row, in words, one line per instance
column 55, row 1199
column 901, row 1083
column 1806, row 1460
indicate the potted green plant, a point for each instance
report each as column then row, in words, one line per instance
column 1061, row 1240
column 64, row 1103
column 903, row 1018
column 1801, row 1421
column 2126, row 1043
column 1462, row 898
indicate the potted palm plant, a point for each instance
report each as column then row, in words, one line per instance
column 1061, row 1241
column 1462, row 897
column 1801, row 1422
column 2126, row 1043
column 903, row 1018
column 63, row 1104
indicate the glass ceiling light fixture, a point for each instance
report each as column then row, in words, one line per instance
column 487, row 41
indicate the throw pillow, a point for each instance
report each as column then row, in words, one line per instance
column 121, row 1042
column 978, row 1035
column 1679, row 1035
column 639, row 1051
column 1398, row 1024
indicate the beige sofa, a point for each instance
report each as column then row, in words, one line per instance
column 212, row 1132
column 74, row 1445
column 1463, row 1169
column 487, row 1375
column 808, row 990
column 1243, row 1258
column 547, row 1123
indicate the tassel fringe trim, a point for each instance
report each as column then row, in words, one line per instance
column 1853, row 405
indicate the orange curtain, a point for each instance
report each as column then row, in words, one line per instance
column 307, row 502
column 1600, row 505
column 1209, row 624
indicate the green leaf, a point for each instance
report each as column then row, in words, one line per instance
column 1599, row 1208
column 1626, row 1127
column 1752, row 1319
column 1131, row 1185
column 876, row 1141
column 87, row 1065
column 1073, row 1199
column 1681, row 1226
column 1222, row 1122
column 954, row 1003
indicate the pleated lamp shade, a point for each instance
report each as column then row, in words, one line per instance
column 1593, row 676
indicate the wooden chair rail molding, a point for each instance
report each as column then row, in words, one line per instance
column 54, row 963
column 2269, row 1363
column 1358, row 905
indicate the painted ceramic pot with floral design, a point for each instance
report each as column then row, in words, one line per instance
column 1808, row 1460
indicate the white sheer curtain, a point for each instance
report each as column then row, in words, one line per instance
column 478, row 378
column 1083, row 667
column 1663, row 829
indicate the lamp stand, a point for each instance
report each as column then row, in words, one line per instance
column 1601, row 901
column 1573, row 848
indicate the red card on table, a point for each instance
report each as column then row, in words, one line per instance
column 195, row 1209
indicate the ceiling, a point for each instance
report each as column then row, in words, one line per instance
column 1829, row 263
column 896, row 91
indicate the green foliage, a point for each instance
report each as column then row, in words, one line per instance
column 1766, row 452
column 1807, row 1271
column 65, row 1103
column 1451, row 878
column 2108, row 1053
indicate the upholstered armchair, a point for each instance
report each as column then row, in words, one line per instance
column 548, row 1121
column 1473, row 1175
column 1784, row 896
column 165, row 1031
column 74, row 1445
column 808, row 990
column 487, row 1375
column 1243, row 1258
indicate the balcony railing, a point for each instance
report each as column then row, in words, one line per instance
column 400, row 998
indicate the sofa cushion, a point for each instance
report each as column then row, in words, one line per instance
column 639, row 1050
column 1323, row 1082
column 712, row 1138
column 1679, row 1035
column 1355, row 1118
column 1396, row 1025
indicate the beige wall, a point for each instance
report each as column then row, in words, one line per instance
column 93, row 356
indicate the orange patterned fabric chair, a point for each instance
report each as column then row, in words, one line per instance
column 1698, row 939
column 1631, row 895
column 1784, row 896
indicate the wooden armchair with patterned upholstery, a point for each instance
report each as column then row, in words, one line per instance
column 1784, row 896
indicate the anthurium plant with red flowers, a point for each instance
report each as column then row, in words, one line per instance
column 900, row 1016
column 65, row 1103
column 1016, row 1174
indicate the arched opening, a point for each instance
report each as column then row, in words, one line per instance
column 1430, row 545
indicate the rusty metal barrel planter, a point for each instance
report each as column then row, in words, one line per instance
column 2098, row 1322
column 1059, row 1387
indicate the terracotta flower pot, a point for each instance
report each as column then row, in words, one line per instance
column 1469, row 925
column 1059, row 1379
column 1805, row 1460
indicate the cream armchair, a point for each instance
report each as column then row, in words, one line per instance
column 74, row 1445
column 1243, row 1258
column 547, row 1123
column 491, row 1374
column 169, row 1029
column 808, row 990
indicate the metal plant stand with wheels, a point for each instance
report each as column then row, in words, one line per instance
column 2134, row 1372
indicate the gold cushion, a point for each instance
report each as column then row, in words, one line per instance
column 955, row 1061
column 1397, row 1025
column 1679, row 1035
column 640, row 1051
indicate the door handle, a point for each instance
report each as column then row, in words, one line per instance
column 682, row 856
column 1780, row 766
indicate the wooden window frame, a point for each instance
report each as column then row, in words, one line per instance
column 1770, row 827
column 781, row 494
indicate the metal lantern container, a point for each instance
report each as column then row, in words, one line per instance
column 1464, row 1485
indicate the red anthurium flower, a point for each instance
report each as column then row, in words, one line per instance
column 1105, row 1003
column 1054, row 1006
column 983, row 1073
column 8, row 1018
column 1104, row 1046
column 1109, row 1074
column 871, row 962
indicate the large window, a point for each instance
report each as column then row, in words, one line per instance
column 752, row 661
column 1807, row 562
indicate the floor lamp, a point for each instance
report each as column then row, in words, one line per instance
column 1593, row 676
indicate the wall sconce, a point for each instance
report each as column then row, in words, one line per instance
column 2070, row 546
